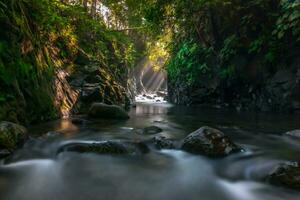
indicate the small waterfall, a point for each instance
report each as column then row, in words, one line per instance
column 151, row 83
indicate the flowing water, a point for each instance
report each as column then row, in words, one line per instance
column 37, row 172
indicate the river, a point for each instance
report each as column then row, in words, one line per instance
column 37, row 172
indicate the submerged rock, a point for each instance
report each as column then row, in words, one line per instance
column 287, row 175
column 101, row 110
column 150, row 130
column 106, row 147
column 161, row 142
column 210, row 142
column 12, row 135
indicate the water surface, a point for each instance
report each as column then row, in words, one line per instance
column 37, row 172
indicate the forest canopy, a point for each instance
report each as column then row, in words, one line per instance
column 222, row 47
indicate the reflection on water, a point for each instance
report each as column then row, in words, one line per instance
column 146, row 109
column 36, row 172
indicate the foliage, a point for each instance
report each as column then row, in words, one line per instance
column 190, row 62
column 40, row 36
column 264, row 30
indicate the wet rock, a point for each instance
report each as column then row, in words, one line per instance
column 107, row 147
column 4, row 153
column 101, row 110
column 91, row 93
column 286, row 175
column 12, row 135
column 150, row 130
column 161, row 142
column 149, row 97
column 294, row 133
column 210, row 142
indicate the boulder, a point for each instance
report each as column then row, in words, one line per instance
column 101, row 110
column 12, row 135
column 286, row 175
column 161, row 142
column 210, row 142
column 107, row 147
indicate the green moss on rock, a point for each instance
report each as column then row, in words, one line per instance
column 11, row 135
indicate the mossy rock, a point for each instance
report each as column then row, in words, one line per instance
column 107, row 147
column 161, row 142
column 105, row 111
column 210, row 142
column 286, row 175
column 11, row 135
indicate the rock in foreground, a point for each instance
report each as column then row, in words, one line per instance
column 287, row 175
column 162, row 142
column 293, row 133
column 11, row 135
column 210, row 142
column 104, row 111
column 107, row 147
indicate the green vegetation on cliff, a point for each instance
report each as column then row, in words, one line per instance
column 232, row 52
column 226, row 50
column 39, row 37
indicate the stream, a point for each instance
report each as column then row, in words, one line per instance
column 37, row 172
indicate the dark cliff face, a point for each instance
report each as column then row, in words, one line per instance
column 243, row 54
column 278, row 91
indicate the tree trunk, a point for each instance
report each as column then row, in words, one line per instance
column 214, row 28
column 93, row 8
column 85, row 4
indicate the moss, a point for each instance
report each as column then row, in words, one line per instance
column 11, row 135
column 42, row 36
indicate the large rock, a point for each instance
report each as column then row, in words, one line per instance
column 107, row 147
column 161, row 142
column 101, row 110
column 11, row 135
column 210, row 142
column 287, row 175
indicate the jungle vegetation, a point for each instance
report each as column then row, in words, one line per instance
column 236, row 41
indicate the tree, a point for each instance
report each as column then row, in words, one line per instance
column 94, row 8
